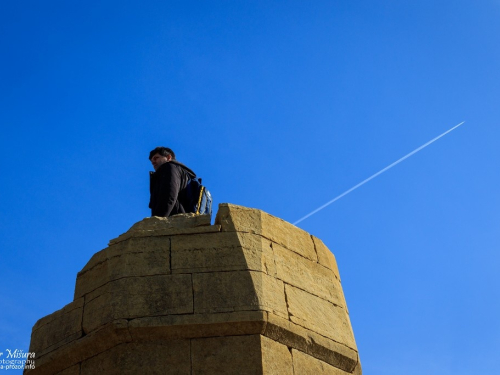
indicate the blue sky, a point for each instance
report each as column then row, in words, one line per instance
column 281, row 106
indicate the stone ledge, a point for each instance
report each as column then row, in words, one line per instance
column 165, row 226
column 195, row 326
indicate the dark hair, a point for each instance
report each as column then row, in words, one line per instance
column 163, row 151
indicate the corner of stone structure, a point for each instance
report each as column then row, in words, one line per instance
column 251, row 293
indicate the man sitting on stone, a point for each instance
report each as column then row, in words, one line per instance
column 167, row 183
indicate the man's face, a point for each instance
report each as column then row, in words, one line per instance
column 158, row 160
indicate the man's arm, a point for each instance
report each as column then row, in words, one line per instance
column 170, row 184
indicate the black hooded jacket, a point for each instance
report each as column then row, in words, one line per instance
column 167, row 187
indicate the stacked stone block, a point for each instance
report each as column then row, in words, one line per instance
column 251, row 294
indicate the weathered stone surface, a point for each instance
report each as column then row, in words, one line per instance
column 57, row 329
column 135, row 297
column 251, row 354
column 312, row 343
column 308, row 275
column 132, row 245
column 160, row 357
column 304, row 364
column 226, row 251
column 198, row 325
column 238, row 291
column 152, row 257
column 242, row 219
column 230, row 355
column 73, row 370
column 325, row 256
column 85, row 347
column 319, row 316
column 276, row 358
column 163, row 226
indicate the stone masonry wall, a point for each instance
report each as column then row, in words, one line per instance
column 251, row 294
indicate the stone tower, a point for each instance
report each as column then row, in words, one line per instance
column 251, row 294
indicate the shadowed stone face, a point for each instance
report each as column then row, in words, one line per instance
column 251, row 294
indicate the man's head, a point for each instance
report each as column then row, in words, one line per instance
column 160, row 156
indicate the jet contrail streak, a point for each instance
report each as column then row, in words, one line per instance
column 376, row 174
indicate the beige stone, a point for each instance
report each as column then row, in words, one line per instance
column 160, row 357
column 251, row 354
column 238, row 291
column 230, row 355
column 305, row 274
column 226, row 251
column 304, row 364
column 312, row 343
column 134, row 297
column 325, row 256
column 276, row 358
column 126, row 265
column 319, row 316
column 57, row 329
column 242, row 219
column 131, row 245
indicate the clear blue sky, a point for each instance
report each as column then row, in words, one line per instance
column 281, row 106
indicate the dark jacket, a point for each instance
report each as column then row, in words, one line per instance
column 167, row 187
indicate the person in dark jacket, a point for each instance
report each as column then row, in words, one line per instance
column 167, row 183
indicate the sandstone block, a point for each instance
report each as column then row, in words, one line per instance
column 308, row 275
column 276, row 358
column 319, row 316
column 57, row 329
column 243, row 219
column 134, row 297
column 234, row 355
column 130, row 245
column 325, row 256
column 124, row 265
column 161, row 357
column 231, row 355
column 306, row 365
column 226, row 251
column 238, row 291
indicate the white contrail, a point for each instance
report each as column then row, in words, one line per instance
column 376, row 174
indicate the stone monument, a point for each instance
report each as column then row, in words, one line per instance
column 251, row 294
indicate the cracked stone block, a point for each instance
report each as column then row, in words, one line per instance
column 306, row 365
column 305, row 274
column 325, row 256
column 319, row 316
